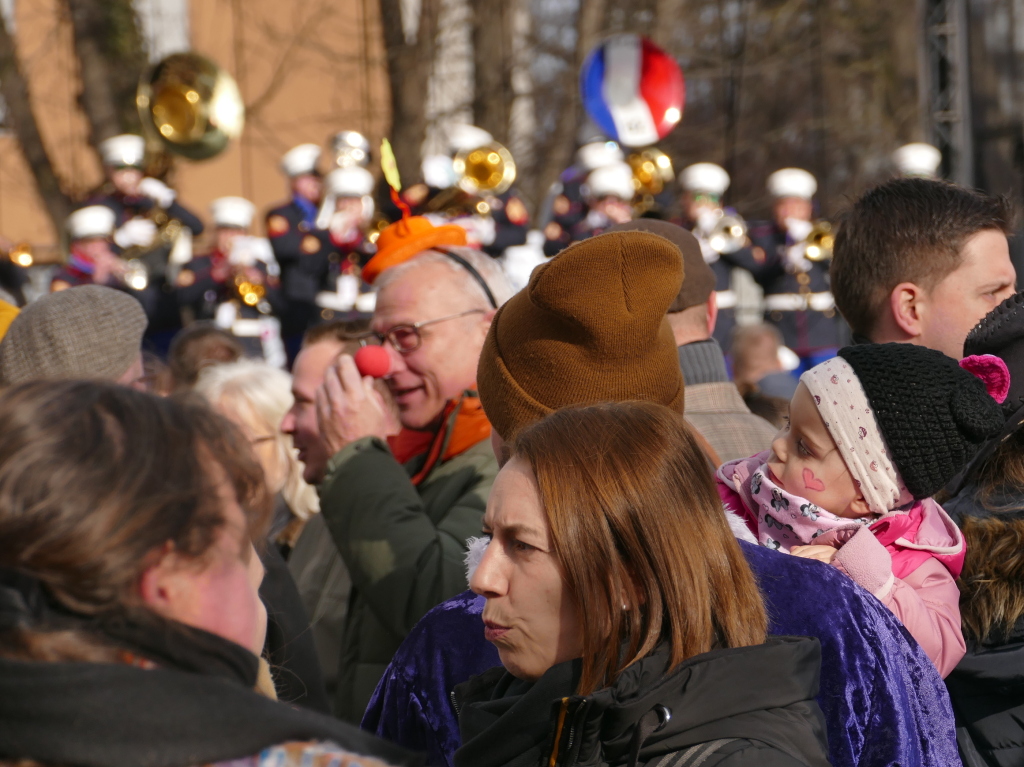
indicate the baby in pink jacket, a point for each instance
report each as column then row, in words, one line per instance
column 873, row 434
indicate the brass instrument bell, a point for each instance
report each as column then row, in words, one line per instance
column 818, row 243
column 250, row 293
column 728, row 235
column 487, row 169
column 22, row 255
column 191, row 105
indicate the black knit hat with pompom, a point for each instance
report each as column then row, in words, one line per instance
column 933, row 415
column 1001, row 332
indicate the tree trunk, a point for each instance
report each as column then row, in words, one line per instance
column 22, row 119
column 557, row 154
column 409, row 66
column 97, row 97
column 492, row 66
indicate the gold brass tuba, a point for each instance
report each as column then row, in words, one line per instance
column 818, row 243
column 190, row 104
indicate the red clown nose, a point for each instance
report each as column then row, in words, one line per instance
column 373, row 361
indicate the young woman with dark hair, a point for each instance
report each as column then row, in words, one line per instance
column 630, row 633
column 129, row 616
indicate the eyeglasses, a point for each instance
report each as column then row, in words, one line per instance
column 407, row 338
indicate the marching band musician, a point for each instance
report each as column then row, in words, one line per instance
column 608, row 193
column 346, row 213
column 131, row 195
column 568, row 207
column 511, row 220
column 302, row 249
column 703, row 185
column 797, row 298
column 236, row 284
column 91, row 256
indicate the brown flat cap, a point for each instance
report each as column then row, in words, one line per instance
column 700, row 279
column 90, row 332
column 590, row 327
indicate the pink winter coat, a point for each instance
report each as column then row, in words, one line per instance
column 909, row 561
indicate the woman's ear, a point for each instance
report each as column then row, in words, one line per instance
column 164, row 585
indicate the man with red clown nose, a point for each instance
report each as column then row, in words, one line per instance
column 400, row 508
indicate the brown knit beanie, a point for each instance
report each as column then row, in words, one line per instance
column 590, row 327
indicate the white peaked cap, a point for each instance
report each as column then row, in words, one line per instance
column 300, row 160
column 597, row 154
column 704, row 177
column 917, row 160
column 615, row 179
column 124, row 151
column 91, row 221
column 792, row 182
column 353, row 181
column 463, row 137
column 438, row 171
column 232, row 211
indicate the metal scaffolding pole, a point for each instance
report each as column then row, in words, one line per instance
column 947, row 88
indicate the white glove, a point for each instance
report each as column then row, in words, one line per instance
column 158, row 191
column 136, row 231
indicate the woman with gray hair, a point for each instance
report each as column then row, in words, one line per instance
column 256, row 396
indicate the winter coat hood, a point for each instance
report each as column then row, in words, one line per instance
column 763, row 693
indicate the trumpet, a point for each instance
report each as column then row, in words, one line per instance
column 729, row 233
column 819, row 241
column 136, row 274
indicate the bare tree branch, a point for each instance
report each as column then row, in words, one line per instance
column 97, row 97
column 15, row 91
column 492, row 66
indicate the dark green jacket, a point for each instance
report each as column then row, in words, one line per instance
column 403, row 545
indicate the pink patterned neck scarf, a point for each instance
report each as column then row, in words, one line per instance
column 785, row 520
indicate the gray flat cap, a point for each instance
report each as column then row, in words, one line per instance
column 89, row 332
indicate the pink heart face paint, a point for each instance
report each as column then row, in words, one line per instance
column 811, row 482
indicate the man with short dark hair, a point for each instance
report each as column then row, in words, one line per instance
column 921, row 261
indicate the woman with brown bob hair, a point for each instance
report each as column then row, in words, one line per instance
column 630, row 630
column 130, row 623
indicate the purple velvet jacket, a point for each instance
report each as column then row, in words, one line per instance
column 883, row 700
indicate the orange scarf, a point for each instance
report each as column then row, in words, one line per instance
column 463, row 424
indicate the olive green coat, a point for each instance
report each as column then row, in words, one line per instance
column 403, row 545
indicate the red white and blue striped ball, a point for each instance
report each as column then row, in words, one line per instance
column 632, row 89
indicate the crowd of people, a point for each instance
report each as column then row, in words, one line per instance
column 558, row 524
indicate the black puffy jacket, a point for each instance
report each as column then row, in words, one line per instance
column 759, row 700
column 987, row 686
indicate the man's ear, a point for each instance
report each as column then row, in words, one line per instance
column 908, row 304
column 712, row 312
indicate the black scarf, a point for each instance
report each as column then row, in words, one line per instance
column 197, row 707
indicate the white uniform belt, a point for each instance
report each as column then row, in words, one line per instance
column 794, row 302
column 726, row 299
column 247, row 328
